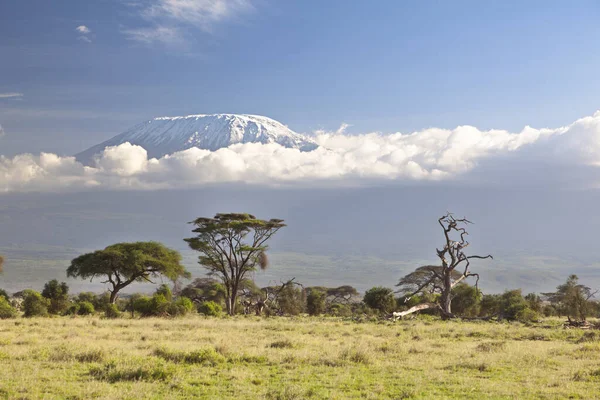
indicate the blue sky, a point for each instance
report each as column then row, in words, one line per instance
column 380, row 66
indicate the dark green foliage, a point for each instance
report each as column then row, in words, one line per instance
column 381, row 299
column 340, row 310
column 572, row 299
column 4, row 294
column 122, row 264
column 204, row 289
column 34, row 304
column 490, row 305
column 58, row 295
column 291, row 300
column 535, row 302
column 209, row 308
column 112, row 311
column 466, row 300
column 512, row 304
column 231, row 246
column 85, row 308
column 315, row 301
column 6, row 310
column 181, row 306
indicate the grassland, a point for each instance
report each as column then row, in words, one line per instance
column 293, row 358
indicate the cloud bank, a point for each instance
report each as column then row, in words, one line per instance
column 429, row 155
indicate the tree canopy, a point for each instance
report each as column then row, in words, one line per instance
column 124, row 263
column 231, row 246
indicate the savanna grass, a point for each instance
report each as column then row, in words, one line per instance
column 294, row 358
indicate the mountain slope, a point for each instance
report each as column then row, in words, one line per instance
column 166, row 135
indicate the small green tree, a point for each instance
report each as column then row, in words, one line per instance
column 6, row 309
column 34, row 304
column 291, row 300
column 125, row 263
column 58, row 296
column 209, row 308
column 315, row 301
column 231, row 246
column 4, row 293
column 466, row 300
column 381, row 299
column 572, row 299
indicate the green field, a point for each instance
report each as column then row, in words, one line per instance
column 294, row 358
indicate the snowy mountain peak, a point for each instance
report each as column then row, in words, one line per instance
column 166, row 135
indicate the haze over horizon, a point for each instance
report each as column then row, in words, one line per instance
column 487, row 110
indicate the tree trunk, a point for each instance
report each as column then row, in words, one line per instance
column 446, row 299
column 113, row 296
column 418, row 307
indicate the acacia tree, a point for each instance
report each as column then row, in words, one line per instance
column 572, row 298
column 442, row 278
column 125, row 263
column 231, row 246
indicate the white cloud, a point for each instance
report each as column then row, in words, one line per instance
column 428, row 155
column 11, row 95
column 201, row 13
column 2, row 131
column 83, row 29
column 162, row 34
column 169, row 18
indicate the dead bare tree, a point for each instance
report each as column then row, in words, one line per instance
column 441, row 279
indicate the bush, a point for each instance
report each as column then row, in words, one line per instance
column 112, row 311
column 165, row 290
column 85, row 308
column 4, row 294
column 466, row 300
column 58, row 296
column 380, row 298
column 34, row 304
column 315, row 302
column 512, row 304
column 181, row 306
column 209, row 308
column 6, row 310
column 291, row 301
column 73, row 309
column 151, row 306
column 340, row 310
column 528, row 315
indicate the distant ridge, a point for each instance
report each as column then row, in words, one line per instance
column 166, row 135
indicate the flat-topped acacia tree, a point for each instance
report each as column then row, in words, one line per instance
column 231, row 246
column 125, row 263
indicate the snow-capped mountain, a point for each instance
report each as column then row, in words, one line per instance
column 167, row 135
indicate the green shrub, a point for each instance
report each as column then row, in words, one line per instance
column 340, row 310
column 112, row 311
column 209, row 308
column 165, row 290
column 58, row 296
column 315, row 302
column 85, row 308
column 381, row 299
column 34, row 304
column 528, row 315
column 4, row 294
column 73, row 309
column 6, row 310
column 181, row 306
